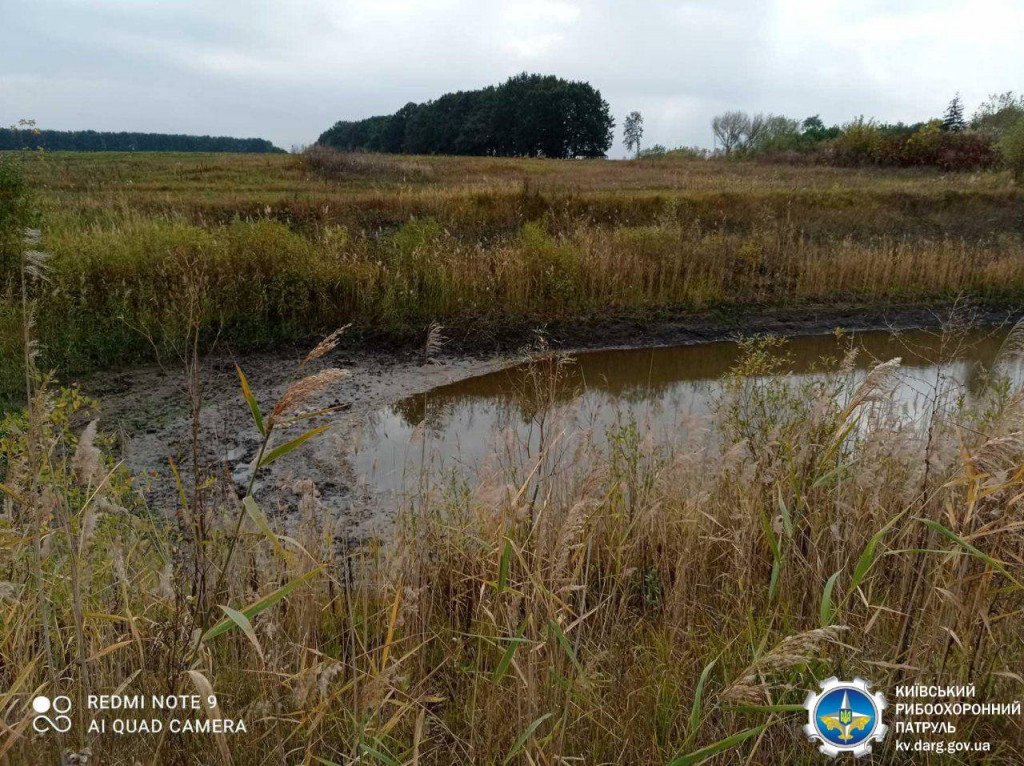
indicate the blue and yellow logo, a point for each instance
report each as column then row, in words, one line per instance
column 845, row 717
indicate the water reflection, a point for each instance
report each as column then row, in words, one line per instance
column 663, row 390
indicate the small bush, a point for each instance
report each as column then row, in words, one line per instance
column 658, row 150
column 688, row 153
column 1011, row 147
column 679, row 153
column 860, row 143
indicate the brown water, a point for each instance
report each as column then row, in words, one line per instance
column 455, row 429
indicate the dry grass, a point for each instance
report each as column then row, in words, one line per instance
column 613, row 604
column 395, row 260
column 286, row 248
column 598, row 604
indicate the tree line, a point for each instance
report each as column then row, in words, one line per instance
column 993, row 136
column 739, row 132
column 950, row 141
column 529, row 115
column 97, row 141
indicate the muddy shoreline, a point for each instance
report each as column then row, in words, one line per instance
column 148, row 407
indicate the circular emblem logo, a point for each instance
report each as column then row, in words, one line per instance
column 845, row 717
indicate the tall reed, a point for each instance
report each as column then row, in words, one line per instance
column 289, row 251
column 609, row 600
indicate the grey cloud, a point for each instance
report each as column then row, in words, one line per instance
column 286, row 71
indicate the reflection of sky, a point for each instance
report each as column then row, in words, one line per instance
column 498, row 417
column 831, row 703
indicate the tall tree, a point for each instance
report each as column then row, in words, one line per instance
column 730, row 128
column 632, row 132
column 953, row 120
column 774, row 132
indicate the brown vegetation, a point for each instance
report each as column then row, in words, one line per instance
column 282, row 248
column 614, row 603
column 603, row 600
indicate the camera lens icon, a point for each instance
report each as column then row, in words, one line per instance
column 60, row 723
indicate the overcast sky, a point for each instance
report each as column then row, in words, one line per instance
column 287, row 70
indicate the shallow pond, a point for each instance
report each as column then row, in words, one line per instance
column 458, row 428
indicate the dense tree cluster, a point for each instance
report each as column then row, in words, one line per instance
column 529, row 115
column 94, row 141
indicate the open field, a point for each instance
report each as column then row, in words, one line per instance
column 259, row 250
column 600, row 599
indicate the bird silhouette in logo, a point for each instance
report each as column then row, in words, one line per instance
column 845, row 720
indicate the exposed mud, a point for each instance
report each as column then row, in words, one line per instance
column 149, row 407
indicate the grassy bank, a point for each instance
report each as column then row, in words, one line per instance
column 586, row 603
column 596, row 599
column 255, row 250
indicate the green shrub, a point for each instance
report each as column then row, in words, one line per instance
column 688, row 153
column 678, row 153
column 1011, row 147
column 657, row 150
column 858, row 144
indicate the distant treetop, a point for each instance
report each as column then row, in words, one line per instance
column 953, row 119
column 94, row 141
column 633, row 132
column 529, row 115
